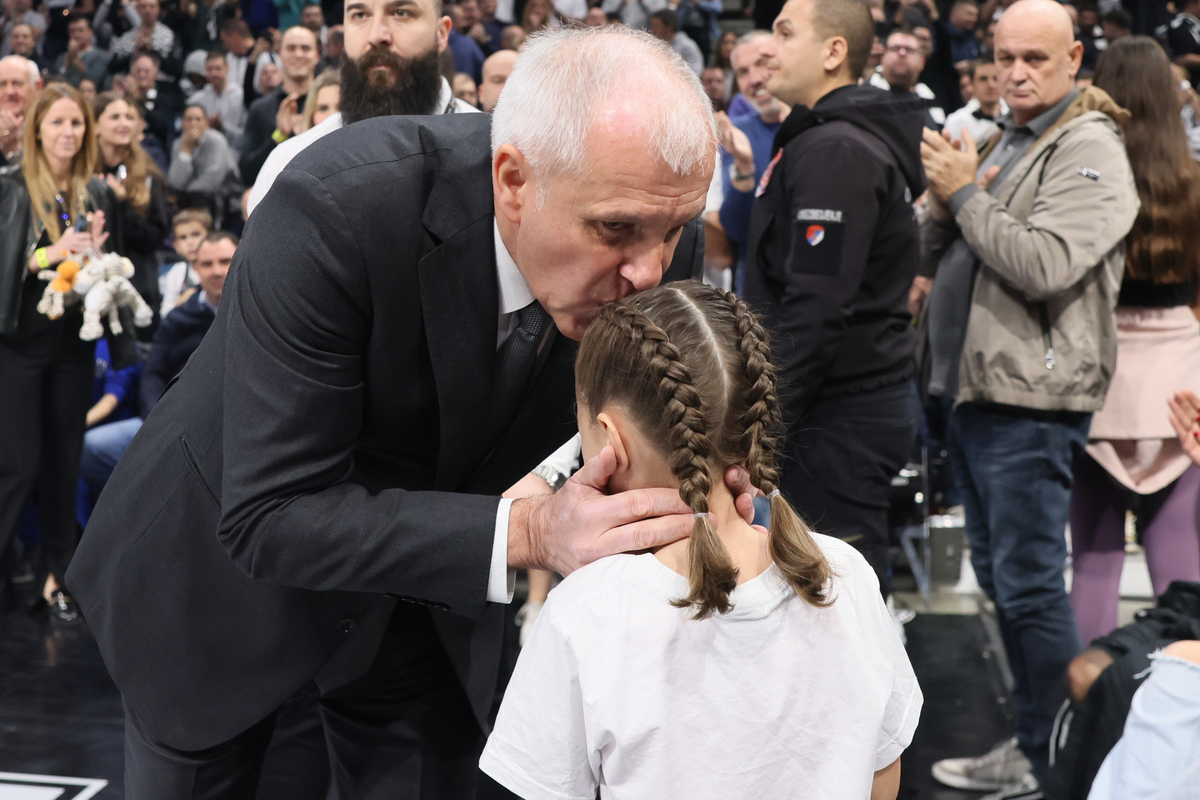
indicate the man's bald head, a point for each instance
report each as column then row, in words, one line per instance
column 496, row 69
column 1037, row 55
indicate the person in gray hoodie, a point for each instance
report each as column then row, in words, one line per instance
column 1028, row 238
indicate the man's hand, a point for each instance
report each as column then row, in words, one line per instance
column 12, row 126
column 744, row 492
column 1185, row 419
column 949, row 166
column 917, row 293
column 581, row 523
column 737, row 144
column 285, row 118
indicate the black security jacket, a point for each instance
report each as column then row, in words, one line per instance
column 323, row 453
column 833, row 245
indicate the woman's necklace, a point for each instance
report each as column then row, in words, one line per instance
column 62, row 210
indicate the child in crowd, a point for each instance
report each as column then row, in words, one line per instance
column 177, row 282
column 730, row 664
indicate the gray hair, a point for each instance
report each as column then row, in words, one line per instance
column 34, row 74
column 565, row 78
column 752, row 36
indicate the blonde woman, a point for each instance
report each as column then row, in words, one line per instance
column 324, row 98
column 51, row 209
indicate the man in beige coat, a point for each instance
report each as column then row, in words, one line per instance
column 1027, row 238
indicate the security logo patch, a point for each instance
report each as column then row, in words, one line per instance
column 815, row 235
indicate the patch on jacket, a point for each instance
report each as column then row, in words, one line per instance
column 1089, row 173
column 817, row 246
column 818, row 215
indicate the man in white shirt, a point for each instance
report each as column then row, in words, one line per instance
column 979, row 115
column 222, row 100
column 389, row 69
column 664, row 25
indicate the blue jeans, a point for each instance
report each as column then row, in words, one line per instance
column 103, row 447
column 1013, row 467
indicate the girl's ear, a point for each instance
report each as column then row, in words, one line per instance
column 612, row 435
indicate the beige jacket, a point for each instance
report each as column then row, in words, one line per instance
column 1041, row 332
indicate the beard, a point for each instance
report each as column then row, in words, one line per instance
column 366, row 93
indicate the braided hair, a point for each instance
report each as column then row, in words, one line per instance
column 691, row 365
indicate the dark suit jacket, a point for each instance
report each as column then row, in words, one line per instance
column 257, row 143
column 322, row 454
column 177, row 337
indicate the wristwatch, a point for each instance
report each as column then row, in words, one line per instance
column 551, row 476
column 735, row 176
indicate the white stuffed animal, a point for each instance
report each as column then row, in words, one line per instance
column 105, row 287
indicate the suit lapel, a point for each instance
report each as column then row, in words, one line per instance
column 460, row 302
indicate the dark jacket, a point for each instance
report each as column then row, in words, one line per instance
column 324, row 453
column 834, row 244
column 257, row 143
column 17, row 221
column 177, row 337
column 142, row 238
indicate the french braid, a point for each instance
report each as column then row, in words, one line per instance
column 792, row 546
column 691, row 366
column 712, row 575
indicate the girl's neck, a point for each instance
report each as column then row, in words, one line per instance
column 114, row 154
column 747, row 546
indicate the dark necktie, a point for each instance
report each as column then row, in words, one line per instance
column 515, row 362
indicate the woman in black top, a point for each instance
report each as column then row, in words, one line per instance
column 140, row 190
column 45, row 369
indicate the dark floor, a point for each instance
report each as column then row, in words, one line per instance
column 61, row 715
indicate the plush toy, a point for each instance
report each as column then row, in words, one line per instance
column 104, row 284
column 60, row 289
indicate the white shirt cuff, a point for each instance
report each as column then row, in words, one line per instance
column 501, row 580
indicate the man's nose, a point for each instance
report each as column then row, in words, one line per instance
column 645, row 270
column 380, row 32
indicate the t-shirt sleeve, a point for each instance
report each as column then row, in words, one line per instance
column 903, row 709
column 538, row 748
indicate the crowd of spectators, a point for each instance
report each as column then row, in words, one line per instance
column 186, row 111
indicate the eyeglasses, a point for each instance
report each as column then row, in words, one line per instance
column 903, row 50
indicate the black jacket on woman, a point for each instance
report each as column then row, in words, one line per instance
column 142, row 236
column 21, row 237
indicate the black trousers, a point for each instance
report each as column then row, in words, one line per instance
column 46, row 375
column 839, row 464
column 403, row 730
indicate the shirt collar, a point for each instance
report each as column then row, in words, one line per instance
column 204, row 302
column 515, row 293
column 444, row 99
column 1042, row 122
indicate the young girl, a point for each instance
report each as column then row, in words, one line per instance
column 731, row 664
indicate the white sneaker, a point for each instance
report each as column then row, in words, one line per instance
column 1004, row 766
column 1025, row 789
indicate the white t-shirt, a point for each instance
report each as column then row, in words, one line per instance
column 617, row 688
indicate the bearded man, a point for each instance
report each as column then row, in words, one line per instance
column 391, row 67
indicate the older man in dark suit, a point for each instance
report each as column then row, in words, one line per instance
column 314, row 507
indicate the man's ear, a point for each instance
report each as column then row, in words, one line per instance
column 442, row 31
column 612, row 435
column 1075, row 54
column 835, row 54
column 511, row 183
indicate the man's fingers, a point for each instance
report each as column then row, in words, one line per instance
column 968, row 143
column 988, row 177
column 645, row 534
column 934, row 139
column 641, row 504
column 598, row 470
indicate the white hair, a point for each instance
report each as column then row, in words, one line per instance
column 565, row 78
column 34, row 74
